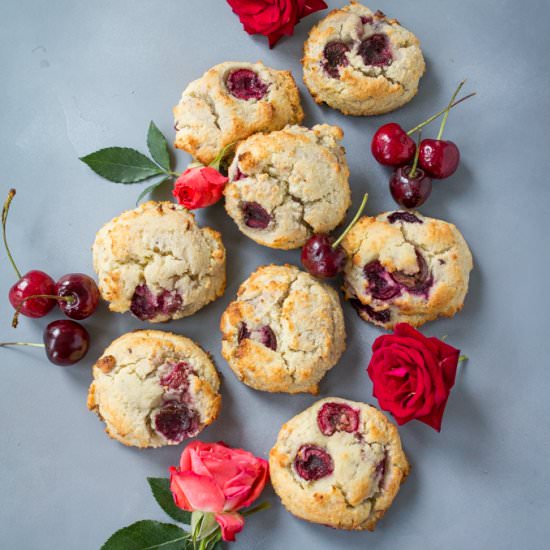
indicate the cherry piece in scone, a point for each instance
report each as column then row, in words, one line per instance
column 323, row 257
column 335, row 57
column 313, row 462
column 176, row 421
column 438, row 157
column 375, row 50
column 255, row 215
column 65, row 342
column 84, row 292
column 392, row 146
column 246, row 84
column 337, row 417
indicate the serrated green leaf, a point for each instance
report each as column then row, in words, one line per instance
column 150, row 189
column 122, row 165
column 149, row 535
column 161, row 491
column 158, row 146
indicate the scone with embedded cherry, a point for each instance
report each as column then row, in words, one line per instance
column 338, row 463
column 405, row 267
column 284, row 331
column 158, row 263
column 286, row 185
column 362, row 63
column 232, row 101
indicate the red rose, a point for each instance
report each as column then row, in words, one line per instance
column 199, row 186
column 273, row 18
column 413, row 375
column 216, row 480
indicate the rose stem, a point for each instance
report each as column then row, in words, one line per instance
column 353, row 222
column 15, row 320
column 5, row 210
column 412, row 171
column 438, row 114
column 446, row 115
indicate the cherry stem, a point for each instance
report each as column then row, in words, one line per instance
column 4, row 344
column 446, row 115
column 353, row 222
column 15, row 320
column 412, row 171
column 5, row 210
column 438, row 114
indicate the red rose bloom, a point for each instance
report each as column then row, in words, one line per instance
column 413, row 375
column 273, row 18
column 199, row 186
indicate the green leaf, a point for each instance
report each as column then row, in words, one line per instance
column 158, row 146
column 149, row 535
column 161, row 491
column 122, row 165
column 150, row 189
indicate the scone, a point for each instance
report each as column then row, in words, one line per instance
column 339, row 463
column 362, row 63
column 158, row 263
column 232, row 101
column 284, row 331
column 405, row 267
column 154, row 388
column 286, row 185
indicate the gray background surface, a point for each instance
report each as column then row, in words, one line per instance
column 78, row 75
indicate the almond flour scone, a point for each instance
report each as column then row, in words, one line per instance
column 154, row 388
column 362, row 63
column 405, row 267
column 158, row 263
column 284, row 331
column 339, row 463
column 286, row 185
column 232, row 101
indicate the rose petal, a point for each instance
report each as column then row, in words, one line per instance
column 230, row 524
column 200, row 492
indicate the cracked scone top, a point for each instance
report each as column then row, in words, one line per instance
column 284, row 331
column 286, row 185
column 158, row 263
column 339, row 463
column 154, row 388
column 361, row 62
column 232, row 101
column 405, row 267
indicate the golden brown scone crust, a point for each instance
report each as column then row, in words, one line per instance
column 369, row 468
column 127, row 392
column 307, row 323
column 159, row 245
column 362, row 89
column 208, row 117
column 397, row 246
column 298, row 176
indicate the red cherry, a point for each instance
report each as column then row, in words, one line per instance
column 321, row 259
column 439, row 158
column 392, row 146
column 83, row 291
column 33, row 283
column 410, row 191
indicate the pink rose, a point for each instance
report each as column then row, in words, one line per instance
column 199, row 186
column 215, row 478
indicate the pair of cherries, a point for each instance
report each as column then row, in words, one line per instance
column 416, row 163
column 35, row 294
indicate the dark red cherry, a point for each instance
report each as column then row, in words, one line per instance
column 407, row 217
column 146, row 305
column 255, row 215
column 66, row 342
column 32, row 283
column 337, row 417
column 83, row 291
column 321, row 259
column 313, row 462
column 176, row 421
column 410, row 191
column 381, row 285
column 392, row 146
column 382, row 316
column 438, row 158
column 177, row 378
column 246, row 84
column 335, row 57
column 376, row 50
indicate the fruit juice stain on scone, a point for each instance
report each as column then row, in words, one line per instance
column 284, row 331
column 405, row 267
column 361, row 62
column 232, row 101
column 156, row 262
column 154, row 388
column 338, row 463
column 285, row 186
